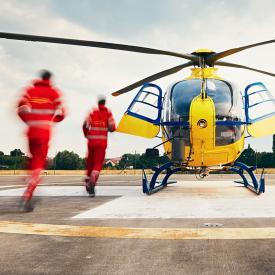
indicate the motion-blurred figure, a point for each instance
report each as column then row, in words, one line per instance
column 39, row 107
column 95, row 128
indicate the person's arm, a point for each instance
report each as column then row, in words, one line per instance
column 86, row 126
column 24, row 106
column 60, row 111
column 111, row 122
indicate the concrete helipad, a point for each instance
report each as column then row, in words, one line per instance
column 192, row 227
column 183, row 200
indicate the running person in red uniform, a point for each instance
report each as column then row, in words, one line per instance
column 39, row 107
column 95, row 129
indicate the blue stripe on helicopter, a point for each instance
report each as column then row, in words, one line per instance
column 218, row 123
column 183, row 123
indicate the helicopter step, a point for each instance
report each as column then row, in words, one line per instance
column 155, row 185
column 257, row 186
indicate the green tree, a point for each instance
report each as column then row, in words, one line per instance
column 13, row 162
column 16, row 153
column 128, row 160
column 265, row 159
column 66, row 160
column 140, row 161
column 248, row 156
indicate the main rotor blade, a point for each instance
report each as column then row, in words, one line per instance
column 152, row 78
column 226, row 64
column 216, row 56
column 96, row 44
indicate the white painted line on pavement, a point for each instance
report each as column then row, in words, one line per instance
column 200, row 199
column 76, row 191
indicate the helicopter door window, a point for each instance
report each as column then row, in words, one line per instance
column 260, row 103
column 147, row 103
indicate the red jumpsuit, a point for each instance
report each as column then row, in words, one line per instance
column 95, row 128
column 39, row 107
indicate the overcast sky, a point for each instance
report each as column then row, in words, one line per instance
column 82, row 73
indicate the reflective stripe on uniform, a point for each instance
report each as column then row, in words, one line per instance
column 58, row 100
column 40, row 100
column 38, row 122
column 42, row 111
column 24, row 109
column 96, row 137
column 98, row 129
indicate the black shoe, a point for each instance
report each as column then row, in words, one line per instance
column 91, row 190
column 26, row 205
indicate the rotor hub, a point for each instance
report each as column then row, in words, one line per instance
column 203, row 55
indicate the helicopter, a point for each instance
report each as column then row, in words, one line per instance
column 203, row 119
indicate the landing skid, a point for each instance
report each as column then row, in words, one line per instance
column 257, row 186
column 249, row 179
column 154, row 186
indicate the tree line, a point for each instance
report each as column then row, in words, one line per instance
column 68, row 160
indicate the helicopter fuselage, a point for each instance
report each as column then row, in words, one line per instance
column 207, row 114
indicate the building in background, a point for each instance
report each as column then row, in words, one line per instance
column 111, row 162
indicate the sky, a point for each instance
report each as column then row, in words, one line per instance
column 83, row 73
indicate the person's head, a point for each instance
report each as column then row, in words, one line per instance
column 45, row 75
column 101, row 100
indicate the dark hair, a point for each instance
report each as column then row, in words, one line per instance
column 45, row 75
column 101, row 102
column 101, row 99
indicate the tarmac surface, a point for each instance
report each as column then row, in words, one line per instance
column 212, row 226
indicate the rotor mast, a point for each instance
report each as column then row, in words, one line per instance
column 202, row 55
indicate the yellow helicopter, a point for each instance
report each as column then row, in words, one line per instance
column 203, row 118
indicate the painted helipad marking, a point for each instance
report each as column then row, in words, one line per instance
column 11, row 186
column 193, row 200
column 76, row 191
column 137, row 233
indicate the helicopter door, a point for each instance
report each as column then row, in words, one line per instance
column 142, row 117
column 259, row 110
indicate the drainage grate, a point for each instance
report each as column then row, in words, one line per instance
column 212, row 225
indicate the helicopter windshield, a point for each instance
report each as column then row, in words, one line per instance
column 227, row 106
column 181, row 96
column 225, row 98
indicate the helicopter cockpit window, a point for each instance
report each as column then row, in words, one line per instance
column 228, row 106
column 177, row 104
column 181, row 96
